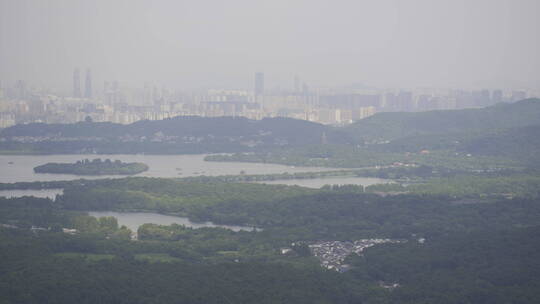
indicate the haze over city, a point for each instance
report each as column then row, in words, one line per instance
column 221, row 44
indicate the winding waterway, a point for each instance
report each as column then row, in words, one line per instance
column 133, row 220
column 19, row 168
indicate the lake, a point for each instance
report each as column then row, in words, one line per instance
column 133, row 220
column 19, row 168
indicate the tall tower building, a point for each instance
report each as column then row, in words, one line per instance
column 76, row 83
column 296, row 84
column 497, row 96
column 259, row 83
column 405, row 101
column 20, row 90
column 88, row 84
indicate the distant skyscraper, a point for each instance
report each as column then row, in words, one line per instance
column 76, row 83
column 305, row 89
column 111, row 92
column 88, row 84
column 481, row 98
column 259, row 83
column 115, row 86
column 391, row 101
column 497, row 96
column 405, row 101
column 20, row 90
column 296, row 84
column 486, row 98
column 518, row 95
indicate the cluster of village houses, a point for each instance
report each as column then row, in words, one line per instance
column 332, row 254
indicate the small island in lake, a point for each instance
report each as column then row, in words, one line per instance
column 93, row 167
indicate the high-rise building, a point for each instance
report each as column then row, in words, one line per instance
column 481, row 98
column 425, row 103
column 21, row 91
column 405, row 101
column 88, row 84
column 518, row 95
column 259, row 83
column 350, row 101
column 76, row 83
column 305, row 89
column 391, row 101
column 497, row 96
column 486, row 97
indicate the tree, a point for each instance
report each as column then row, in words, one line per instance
column 108, row 223
column 85, row 223
column 302, row 249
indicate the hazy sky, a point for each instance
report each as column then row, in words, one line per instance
column 189, row 44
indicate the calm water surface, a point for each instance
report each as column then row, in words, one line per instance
column 133, row 220
column 19, row 168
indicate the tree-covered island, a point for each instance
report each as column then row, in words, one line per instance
column 93, row 167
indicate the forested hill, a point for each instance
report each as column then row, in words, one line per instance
column 179, row 135
column 389, row 126
column 523, row 142
column 187, row 126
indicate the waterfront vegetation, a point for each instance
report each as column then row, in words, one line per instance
column 93, row 167
column 270, row 177
column 342, row 156
column 346, row 211
column 168, row 195
column 519, row 185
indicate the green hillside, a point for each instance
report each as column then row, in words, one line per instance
column 521, row 142
column 179, row 135
column 390, row 126
column 186, row 126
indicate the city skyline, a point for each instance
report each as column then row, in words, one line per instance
column 124, row 61
column 84, row 80
column 21, row 103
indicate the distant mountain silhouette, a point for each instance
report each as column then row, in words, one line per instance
column 186, row 134
column 395, row 125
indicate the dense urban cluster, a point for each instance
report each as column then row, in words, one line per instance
column 115, row 102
